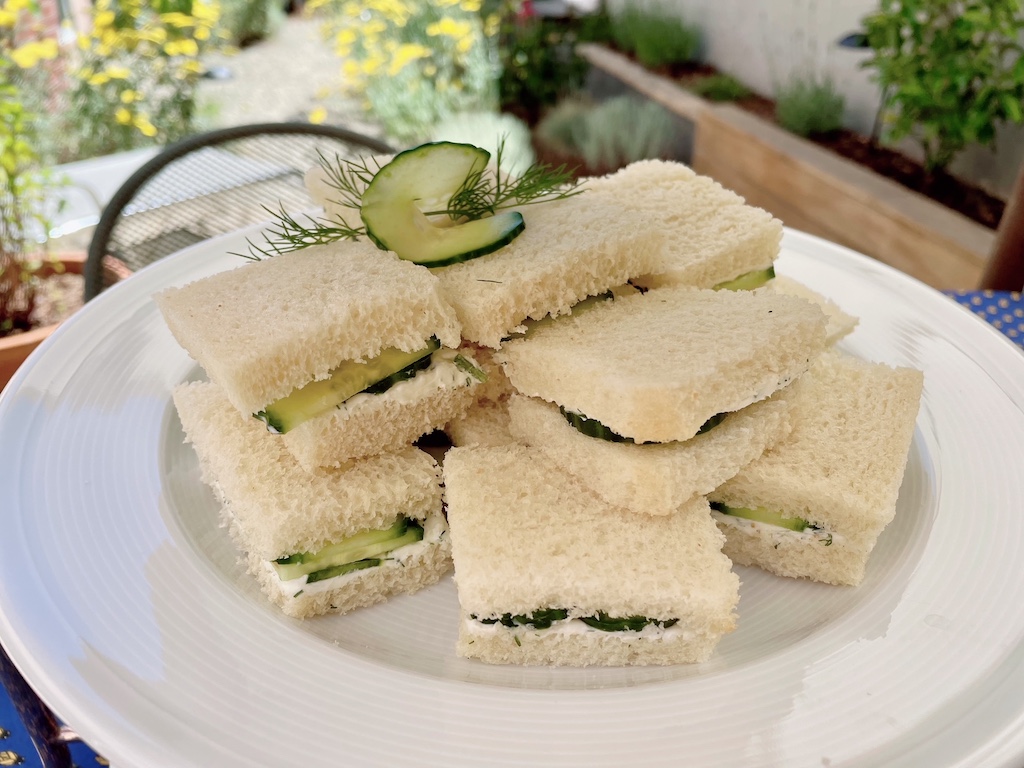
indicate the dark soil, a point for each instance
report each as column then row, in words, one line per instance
column 960, row 195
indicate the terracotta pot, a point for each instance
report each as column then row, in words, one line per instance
column 14, row 349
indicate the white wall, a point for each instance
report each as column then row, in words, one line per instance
column 764, row 43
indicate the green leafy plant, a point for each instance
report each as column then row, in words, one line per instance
column 414, row 64
column 950, row 72
column 720, row 88
column 657, row 35
column 609, row 135
column 807, row 105
column 137, row 73
column 24, row 180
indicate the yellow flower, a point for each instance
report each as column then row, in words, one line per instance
column 492, row 25
column 157, row 35
column 406, row 53
column 145, row 127
column 100, row 78
column 318, row 115
column 202, row 33
column 191, row 67
column 103, row 19
column 116, row 72
column 464, row 45
column 450, row 27
column 471, row 6
column 123, row 116
column 206, row 12
column 181, row 48
column 7, row 18
column 127, row 97
column 30, row 54
column 16, row 5
column 179, row 20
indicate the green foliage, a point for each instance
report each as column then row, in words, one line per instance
column 247, row 21
column 950, row 71
column 539, row 64
column 657, row 36
column 609, row 135
column 809, row 105
column 720, row 88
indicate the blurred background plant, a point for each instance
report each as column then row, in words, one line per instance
column 809, row 105
column 136, row 73
column 949, row 72
column 245, row 22
column 27, row 63
column 539, row 64
column 415, row 64
column 720, row 87
column 603, row 137
column 656, row 35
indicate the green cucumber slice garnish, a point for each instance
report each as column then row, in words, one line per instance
column 594, row 428
column 424, row 179
column 607, row 623
column 348, row 379
column 545, row 617
column 762, row 515
column 747, row 281
column 541, row 619
column 361, row 546
column 341, row 570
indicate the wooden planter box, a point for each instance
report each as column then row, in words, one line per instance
column 817, row 191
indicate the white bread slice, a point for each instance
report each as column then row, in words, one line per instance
column 711, row 235
column 571, row 249
column 485, row 424
column 276, row 509
column 651, row 479
column 840, row 468
column 840, row 324
column 654, row 367
column 526, row 537
column 266, row 328
column 375, row 424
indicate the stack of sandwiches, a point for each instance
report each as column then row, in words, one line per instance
column 635, row 404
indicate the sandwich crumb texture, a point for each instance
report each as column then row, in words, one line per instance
column 656, row 366
column 280, row 509
column 651, row 479
column 842, row 464
column 526, row 536
column 266, row 328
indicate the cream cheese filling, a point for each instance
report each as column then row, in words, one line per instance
column 575, row 626
column 434, row 529
column 776, row 533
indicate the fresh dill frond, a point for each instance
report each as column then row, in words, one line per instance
column 483, row 194
column 349, row 178
column 290, row 234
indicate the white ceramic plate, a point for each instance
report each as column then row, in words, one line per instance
column 122, row 601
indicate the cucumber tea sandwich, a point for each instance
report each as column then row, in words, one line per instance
column 330, row 540
column 814, row 505
column 651, row 399
column 343, row 350
column 547, row 573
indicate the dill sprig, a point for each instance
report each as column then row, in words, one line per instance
column 482, row 194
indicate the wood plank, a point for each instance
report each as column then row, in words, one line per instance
column 810, row 188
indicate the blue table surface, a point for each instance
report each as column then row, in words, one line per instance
column 1003, row 310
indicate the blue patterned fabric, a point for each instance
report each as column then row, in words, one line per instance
column 16, row 747
column 1002, row 309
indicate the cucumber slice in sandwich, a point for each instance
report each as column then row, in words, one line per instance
column 424, row 179
column 345, row 555
column 748, row 281
column 762, row 515
column 594, row 428
column 350, row 378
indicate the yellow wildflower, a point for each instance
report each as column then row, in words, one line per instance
column 181, row 48
column 450, row 27
column 145, row 127
column 30, row 54
column 471, row 6
column 157, row 35
column 202, row 33
column 7, row 18
column 103, row 19
column 100, row 78
column 175, row 19
column 464, row 45
column 116, row 72
column 406, row 53
column 318, row 115
column 492, row 25
column 127, row 97
column 206, row 12
column 123, row 116
column 191, row 67
column 16, row 5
